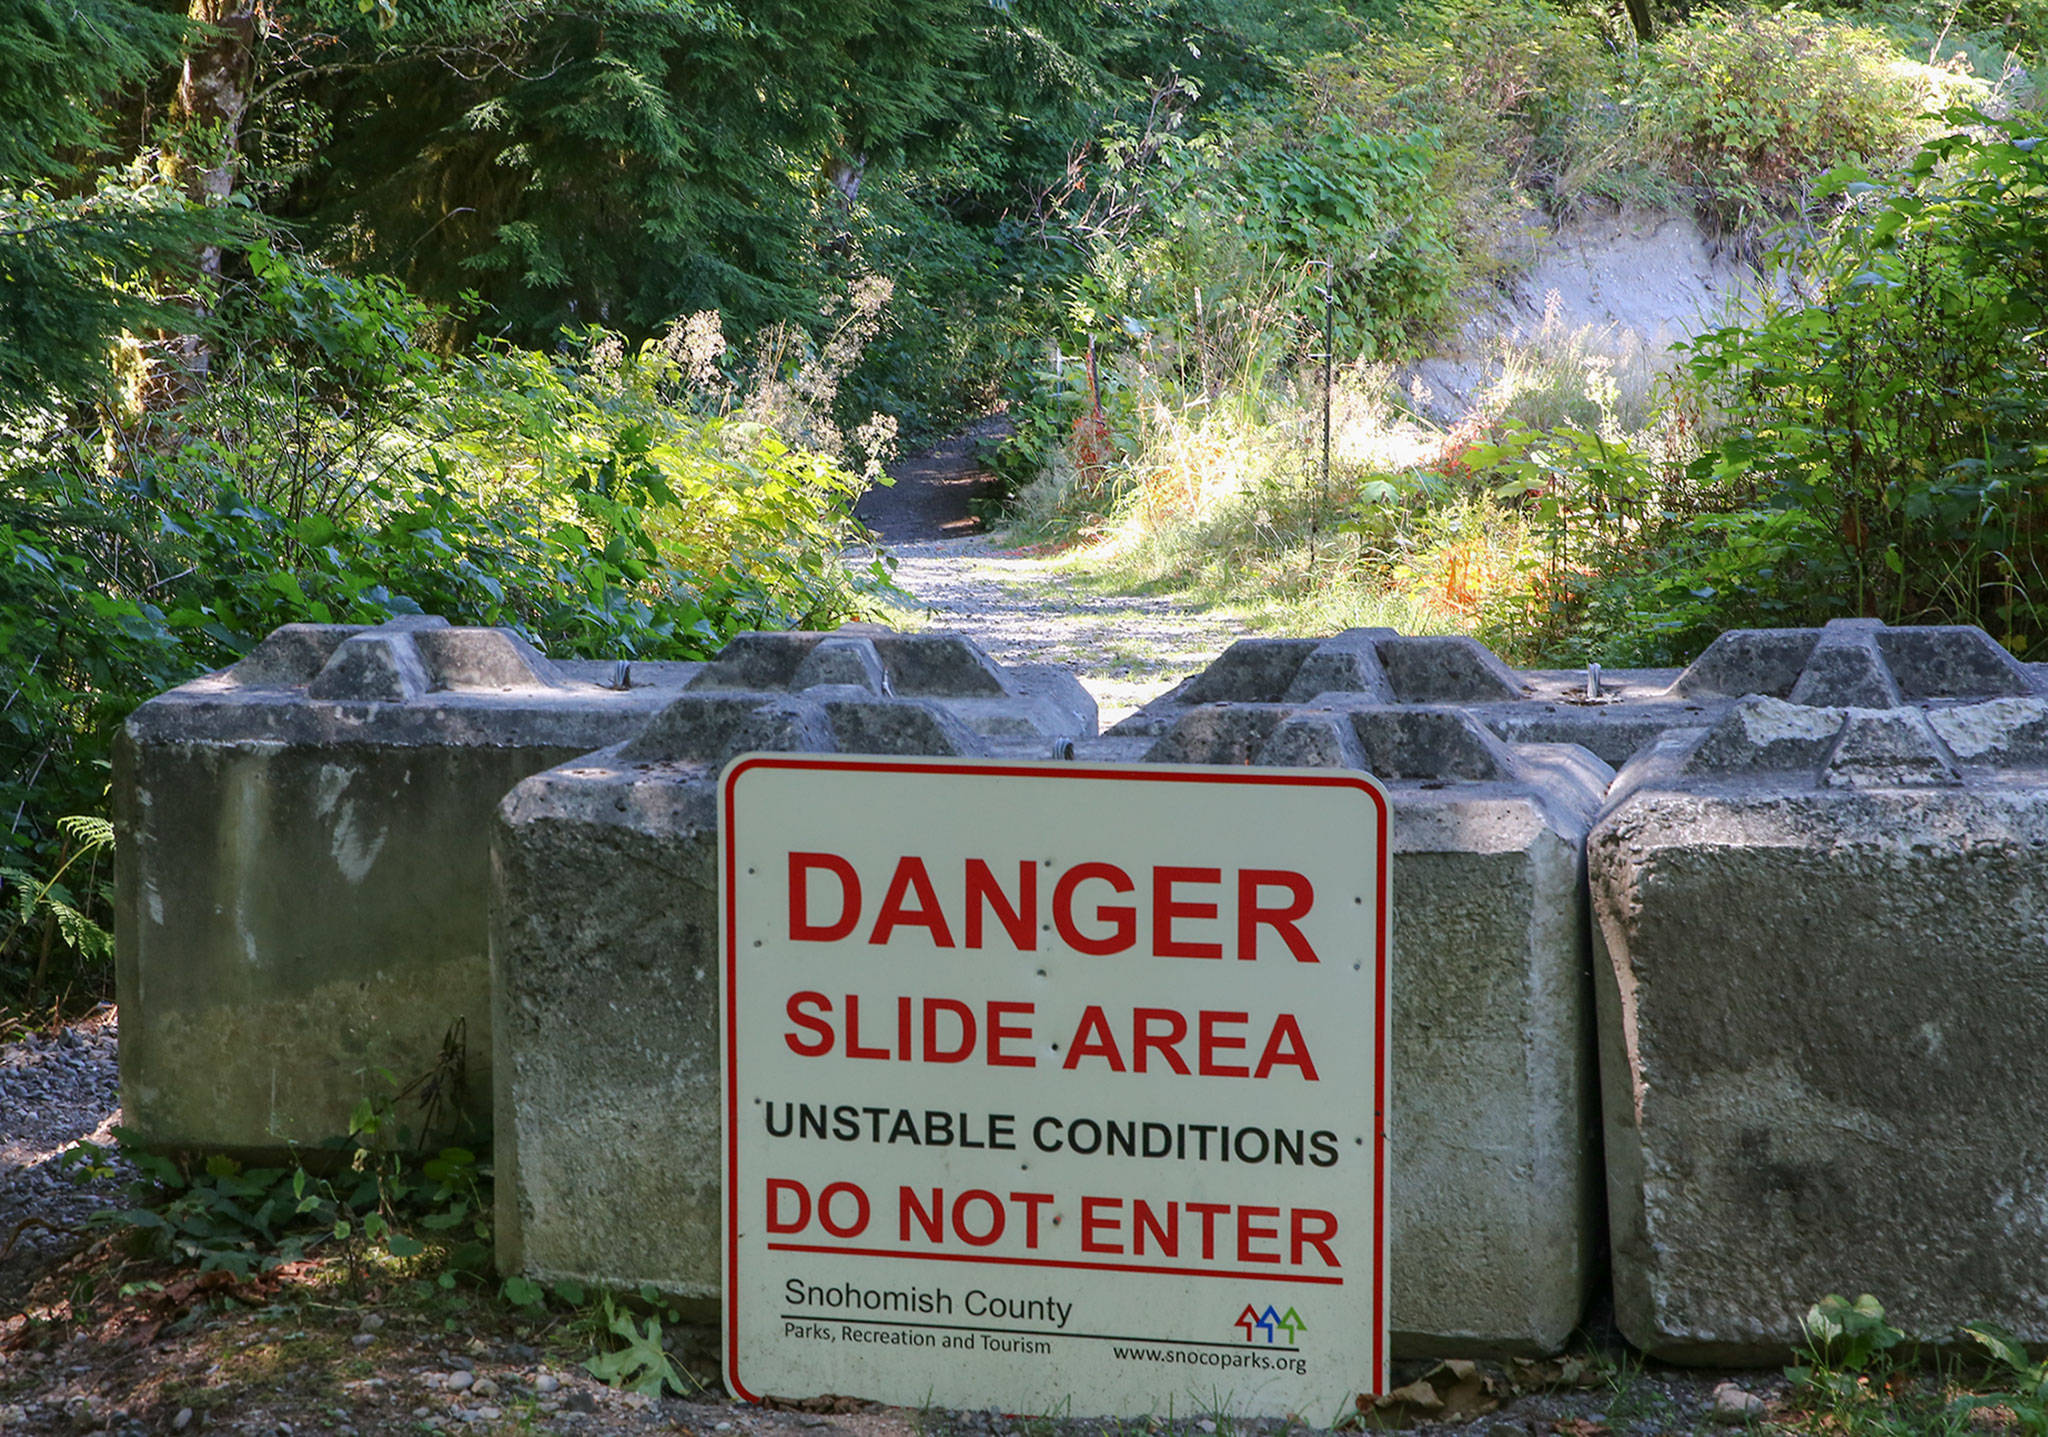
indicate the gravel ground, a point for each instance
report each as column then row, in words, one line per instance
column 54, row 1092
column 1021, row 607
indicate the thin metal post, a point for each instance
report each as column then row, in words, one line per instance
column 1328, row 292
column 1329, row 360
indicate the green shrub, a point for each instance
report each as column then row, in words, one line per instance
column 1749, row 108
column 1876, row 452
column 1319, row 189
column 333, row 471
column 1904, row 410
column 1524, row 99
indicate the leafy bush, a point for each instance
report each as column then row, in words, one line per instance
column 1903, row 410
column 333, row 471
column 1319, row 189
column 1748, row 108
column 1523, row 97
column 1874, row 452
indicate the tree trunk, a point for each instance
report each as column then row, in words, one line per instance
column 213, row 95
column 206, row 125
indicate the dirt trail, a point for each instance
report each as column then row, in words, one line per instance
column 934, row 489
column 1021, row 605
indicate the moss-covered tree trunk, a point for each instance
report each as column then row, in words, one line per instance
column 205, row 149
column 213, row 96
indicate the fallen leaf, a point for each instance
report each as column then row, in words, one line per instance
column 1452, row 1391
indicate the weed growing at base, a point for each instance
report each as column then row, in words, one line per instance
column 369, row 1212
column 1859, row 1376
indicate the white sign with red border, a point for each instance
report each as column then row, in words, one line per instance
column 1054, row 1087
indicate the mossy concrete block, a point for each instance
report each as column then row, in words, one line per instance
column 303, row 869
column 605, row 934
column 605, row 958
column 1495, row 1167
column 1823, row 984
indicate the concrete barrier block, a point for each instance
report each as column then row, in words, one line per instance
column 1495, row 1171
column 1379, row 666
column 1617, row 713
column 605, row 934
column 1028, row 708
column 303, row 867
column 1372, row 665
column 1822, row 988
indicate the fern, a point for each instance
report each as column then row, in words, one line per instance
column 85, row 936
column 89, row 831
column 30, row 897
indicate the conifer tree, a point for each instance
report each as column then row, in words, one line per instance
column 628, row 162
column 74, row 241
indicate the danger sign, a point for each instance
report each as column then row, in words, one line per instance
column 1054, row 1088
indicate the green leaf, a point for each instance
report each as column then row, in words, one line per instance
column 2001, row 1344
column 641, row 1365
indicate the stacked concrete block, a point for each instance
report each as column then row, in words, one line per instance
column 1615, row 713
column 605, row 932
column 1020, row 709
column 1823, row 985
column 1495, row 1181
column 1613, row 716
column 303, row 867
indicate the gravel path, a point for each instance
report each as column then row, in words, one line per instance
column 935, row 489
column 1026, row 608
column 54, row 1092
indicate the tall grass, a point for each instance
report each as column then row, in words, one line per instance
column 1225, row 497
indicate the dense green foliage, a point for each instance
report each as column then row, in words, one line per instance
column 1883, row 448
column 593, row 319
column 585, row 319
column 83, row 255
column 1748, row 110
column 335, row 471
column 56, row 60
column 1867, row 443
